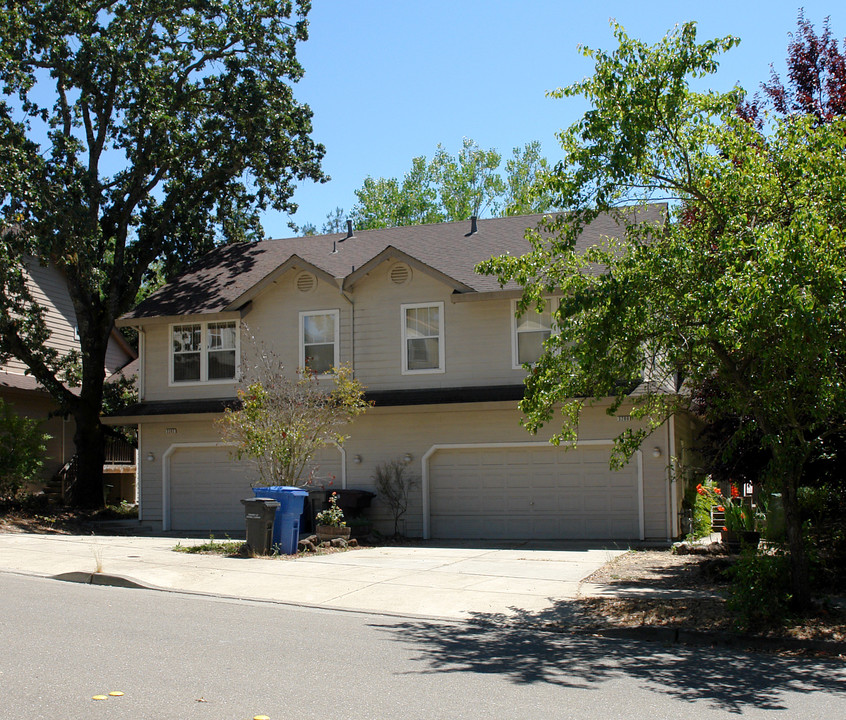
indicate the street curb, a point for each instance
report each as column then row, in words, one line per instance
column 88, row 578
column 680, row 636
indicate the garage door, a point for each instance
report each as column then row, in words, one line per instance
column 206, row 487
column 532, row 493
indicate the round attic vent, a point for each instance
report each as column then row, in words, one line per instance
column 306, row 282
column 400, row 274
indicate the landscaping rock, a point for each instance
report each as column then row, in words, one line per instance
column 306, row 546
column 338, row 543
column 694, row 548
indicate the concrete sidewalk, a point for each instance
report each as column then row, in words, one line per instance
column 453, row 582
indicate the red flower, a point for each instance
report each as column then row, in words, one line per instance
column 717, row 491
column 725, row 528
column 721, row 508
column 735, row 492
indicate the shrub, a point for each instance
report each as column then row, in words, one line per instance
column 394, row 482
column 701, row 521
column 22, row 447
column 760, row 589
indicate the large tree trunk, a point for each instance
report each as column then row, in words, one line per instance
column 789, row 466
column 90, row 437
column 87, row 492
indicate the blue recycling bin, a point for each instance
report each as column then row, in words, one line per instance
column 286, row 524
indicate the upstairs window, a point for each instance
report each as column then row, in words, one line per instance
column 422, row 338
column 319, row 341
column 530, row 331
column 202, row 352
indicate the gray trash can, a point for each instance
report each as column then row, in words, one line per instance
column 259, row 514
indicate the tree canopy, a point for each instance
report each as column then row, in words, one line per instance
column 454, row 187
column 136, row 135
column 744, row 282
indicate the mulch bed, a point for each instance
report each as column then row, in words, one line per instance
column 706, row 612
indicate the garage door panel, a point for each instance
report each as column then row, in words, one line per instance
column 206, row 488
column 541, row 493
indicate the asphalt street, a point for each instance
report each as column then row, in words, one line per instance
column 182, row 656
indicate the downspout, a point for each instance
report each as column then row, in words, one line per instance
column 138, row 475
column 142, row 387
column 424, row 488
column 352, row 324
column 674, row 510
column 352, row 363
column 142, row 338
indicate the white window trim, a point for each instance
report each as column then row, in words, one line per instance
column 204, row 354
column 336, row 314
column 441, row 365
column 515, row 352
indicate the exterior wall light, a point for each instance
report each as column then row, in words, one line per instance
column 150, row 457
column 406, row 458
column 656, row 452
column 357, row 459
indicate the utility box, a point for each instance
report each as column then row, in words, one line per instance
column 259, row 514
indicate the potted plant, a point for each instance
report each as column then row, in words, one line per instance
column 740, row 528
column 330, row 522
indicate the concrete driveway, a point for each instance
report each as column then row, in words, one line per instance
column 435, row 580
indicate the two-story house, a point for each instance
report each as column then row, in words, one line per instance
column 49, row 289
column 441, row 353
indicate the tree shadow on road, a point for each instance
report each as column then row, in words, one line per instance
column 521, row 649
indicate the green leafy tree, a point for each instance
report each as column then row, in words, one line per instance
column 468, row 184
column 284, row 418
column 135, row 136
column 525, row 171
column 335, row 221
column 454, row 188
column 22, row 448
column 743, row 283
column 387, row 202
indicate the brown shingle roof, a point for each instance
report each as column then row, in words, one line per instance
column 226, row 273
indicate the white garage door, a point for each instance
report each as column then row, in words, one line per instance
column 532, row 493
column 206, row 487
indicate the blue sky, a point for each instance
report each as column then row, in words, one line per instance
column 390, row 79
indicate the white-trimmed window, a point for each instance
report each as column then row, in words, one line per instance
column 422, row 338
column 204, row 352
column 319, row 340
column 528, row 334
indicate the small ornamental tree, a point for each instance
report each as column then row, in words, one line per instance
column 22, row 447
column 283, row 420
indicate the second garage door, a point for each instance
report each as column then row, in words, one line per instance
column 532, row 493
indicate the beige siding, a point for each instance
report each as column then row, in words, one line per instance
column 116, row 357
column 49, row 290
column 275, row 316
column 383, row 434
column 157, row 372
column 477, row 335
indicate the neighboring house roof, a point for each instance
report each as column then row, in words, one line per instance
column 19, row 382
column 130, row 370
column 228, row 273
